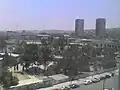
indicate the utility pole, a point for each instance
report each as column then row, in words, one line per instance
column 103, row 84
column 119, row 77
column 118, row 60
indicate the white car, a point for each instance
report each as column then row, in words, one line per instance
column 97, row 77
column 109, row 74
column 102, row 76
column 87, row 82
column 94, row 80
column 65, row 88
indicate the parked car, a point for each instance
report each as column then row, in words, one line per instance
column 56, row 89
column 87, row 82
column 65, row 88
column 102, row 77
column 94, row 80
column 108, row 75
column 73, row 86
column 97, row 77
column 112, row 74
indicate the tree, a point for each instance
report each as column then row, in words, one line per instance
column 14, row 81
column 59, row 45
column 9, row 61
column 2, row 43
column 19, row 47
column 8, row 80
column 30, row 54
column 76, row 58
column 46, row 55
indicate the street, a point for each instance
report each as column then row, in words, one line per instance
column 109, row 83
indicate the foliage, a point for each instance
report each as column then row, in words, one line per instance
column 59, row 44
column 30, row 54
column 19, row 48
column 9, row 60
column 2, row 43
column 14, row 81
column 46, row 55
column 8, row 80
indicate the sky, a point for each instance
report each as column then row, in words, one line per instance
column 57, row 14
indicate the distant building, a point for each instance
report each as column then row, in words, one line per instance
column 100, row 27
column 59, row 78
column 98, row 43
column 43, row 36
column 79, row 27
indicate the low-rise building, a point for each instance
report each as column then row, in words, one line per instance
column 59, row 78
column 98, row 43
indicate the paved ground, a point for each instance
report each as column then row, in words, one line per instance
column 21, row 77
column 110, row 83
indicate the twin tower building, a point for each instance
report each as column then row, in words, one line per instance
column 100, row 27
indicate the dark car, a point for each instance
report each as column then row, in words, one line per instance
column 102, row 78
column 112, row 74
column 107, row 76
column 74, row 86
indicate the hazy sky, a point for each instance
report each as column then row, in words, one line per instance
column 56, row 14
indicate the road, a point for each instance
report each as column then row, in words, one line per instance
column 109, row 83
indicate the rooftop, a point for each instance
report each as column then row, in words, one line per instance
column 94, row 40
column 59, row 77
column 14, row 55
column 42, row 35
column 33, row 42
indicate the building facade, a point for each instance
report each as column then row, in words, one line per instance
column 79, row 27
column 100, row 27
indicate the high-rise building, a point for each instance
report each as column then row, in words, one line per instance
column 79, row 27
column 100, row 27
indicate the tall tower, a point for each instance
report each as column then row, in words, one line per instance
column 100, row 27
column 79, row 27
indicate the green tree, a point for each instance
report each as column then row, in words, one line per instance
column 14, row 81
column 2, row 43
column 8, row 80
column 45, row 53
column 19, row 47
column 30, row 54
